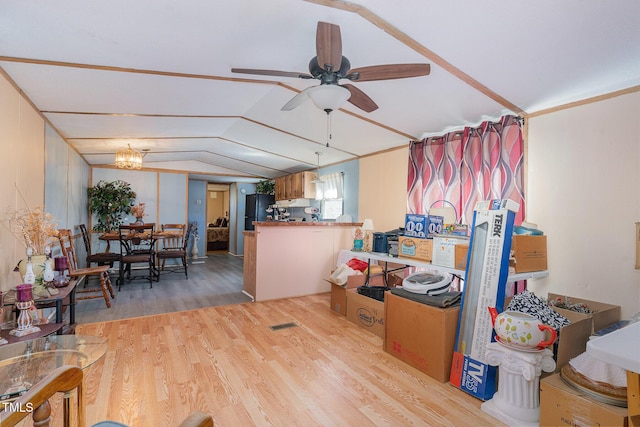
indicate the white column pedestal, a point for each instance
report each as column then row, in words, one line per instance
column 517, row 401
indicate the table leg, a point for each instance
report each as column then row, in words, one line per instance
column 633, row 398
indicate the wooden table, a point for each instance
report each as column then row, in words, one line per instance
column 115, row 236
column 65, row 297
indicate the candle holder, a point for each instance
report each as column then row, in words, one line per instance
column 25, row 304
column 60, row 266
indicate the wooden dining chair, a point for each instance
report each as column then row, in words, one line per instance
column 102, row 272
column 99, row 258
column 136, row 247
column 174, row 247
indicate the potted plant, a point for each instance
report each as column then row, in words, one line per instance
column 267, row 186
column 108, row 201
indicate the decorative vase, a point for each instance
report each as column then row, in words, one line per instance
column 139, row 221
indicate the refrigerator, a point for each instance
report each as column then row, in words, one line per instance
column 256, row 208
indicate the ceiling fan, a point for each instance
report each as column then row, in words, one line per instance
column 329, row 66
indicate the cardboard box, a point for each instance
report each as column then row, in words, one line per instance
column 604, row 314
column 462, row 253
column 366, row 312
column 529, row 253
column 411, row 247
column 444, row 250
column 572, row 339
column 423, row 226
column 339, row 293
column 420, row 335
column 562, row 405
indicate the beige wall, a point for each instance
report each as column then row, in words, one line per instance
column 383, row 189
column 22, row 141
column 584, row 192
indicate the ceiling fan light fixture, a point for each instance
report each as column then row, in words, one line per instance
column 329, row 97
column 128, row 159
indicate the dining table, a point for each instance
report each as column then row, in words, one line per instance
column 111, row 236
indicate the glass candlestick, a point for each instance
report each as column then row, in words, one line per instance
column 29, row 275
column 48, row 274
column 2, row 340
column 24, row 303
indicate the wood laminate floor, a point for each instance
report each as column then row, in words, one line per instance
column 227, row 361
column 213, row 281
column 220, row 355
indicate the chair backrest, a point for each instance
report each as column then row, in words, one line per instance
column 85, row 238
column 136, row 237
column 173, row 242
column 68, row 249
column 63, row 380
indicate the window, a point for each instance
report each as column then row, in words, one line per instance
column 331, row 192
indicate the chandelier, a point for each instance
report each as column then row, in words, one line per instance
column 128, row 159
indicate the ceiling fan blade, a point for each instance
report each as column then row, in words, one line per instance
column 297, row 100
column 391, row 71
column 329, row 46
column 361, row 99
column 272, row 73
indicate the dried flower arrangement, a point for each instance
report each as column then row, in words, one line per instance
column 138, row 210
column 33, row 227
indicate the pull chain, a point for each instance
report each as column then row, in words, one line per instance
column 328, row 127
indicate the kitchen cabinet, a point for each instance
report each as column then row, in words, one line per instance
column 281, row 190
column 295, row 186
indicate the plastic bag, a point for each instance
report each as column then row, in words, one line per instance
column 339, row 276
column 357, row 264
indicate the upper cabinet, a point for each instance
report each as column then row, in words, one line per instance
column 296, row 186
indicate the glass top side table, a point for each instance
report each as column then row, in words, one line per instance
column 24, row 364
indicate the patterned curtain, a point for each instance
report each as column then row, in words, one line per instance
column 468, row 166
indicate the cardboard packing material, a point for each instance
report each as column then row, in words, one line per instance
column 366, row 312
column 562, row 405
column 444, row 250
column 420, row 335
column 604, row 314
column 485, row 286
column 529, row 253
column 411, row 247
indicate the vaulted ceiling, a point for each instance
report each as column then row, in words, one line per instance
column 157, row 74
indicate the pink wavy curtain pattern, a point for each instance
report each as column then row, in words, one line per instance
column 465, row 167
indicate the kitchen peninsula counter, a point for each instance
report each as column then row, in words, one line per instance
column 290, row 259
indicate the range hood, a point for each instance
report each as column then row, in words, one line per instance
column 294, row 203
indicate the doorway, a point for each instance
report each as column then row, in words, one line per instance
column 217, row 218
